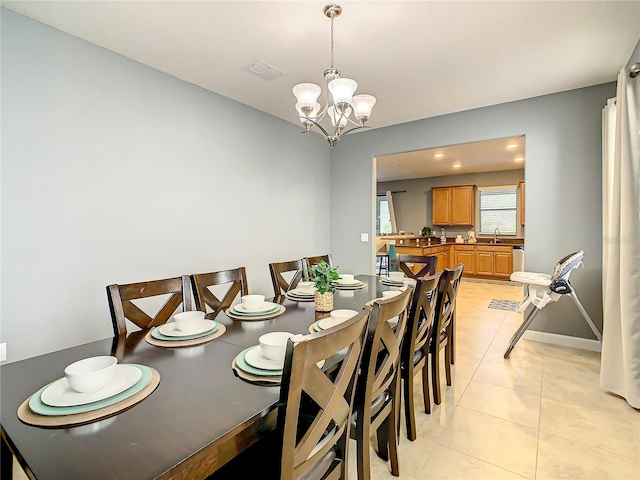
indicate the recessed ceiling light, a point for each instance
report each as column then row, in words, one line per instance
column 439, row 155
column 518, row 159
column 511, row 146
column 457, row 165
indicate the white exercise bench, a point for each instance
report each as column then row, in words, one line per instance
column 542, row 289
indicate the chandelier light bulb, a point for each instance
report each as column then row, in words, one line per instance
column 342, row 90
column 362, row 106
column 307, row 94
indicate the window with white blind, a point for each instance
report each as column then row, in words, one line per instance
column 498, row 209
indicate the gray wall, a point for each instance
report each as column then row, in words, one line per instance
column 563, row 186
column 635, row 56
column 413, row 205
column 113, row 172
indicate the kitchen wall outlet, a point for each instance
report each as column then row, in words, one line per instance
column 364, row 237
column 3, row 351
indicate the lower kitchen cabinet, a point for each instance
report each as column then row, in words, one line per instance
column 495, row 261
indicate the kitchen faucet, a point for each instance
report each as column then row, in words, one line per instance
column 496, row 232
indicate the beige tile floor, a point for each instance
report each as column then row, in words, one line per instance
column 539, row 415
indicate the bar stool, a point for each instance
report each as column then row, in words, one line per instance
column 382, row 261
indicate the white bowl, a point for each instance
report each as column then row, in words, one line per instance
column 396, row 276
column 90, row 374
column 188, row 321
column 341, row 315
column 252, row 303
column 346, row 278
column 390, row 293
column 307, row 287
column 274, row 345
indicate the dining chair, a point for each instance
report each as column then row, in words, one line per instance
column 205, row 298
column 443, row 327
column 311, row 261
column 313, row 425
column 277, row 269
column 376, row 406
column 122, row 307
column 428, row 263
column 415, row 347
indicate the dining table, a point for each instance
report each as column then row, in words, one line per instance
column 200, row 416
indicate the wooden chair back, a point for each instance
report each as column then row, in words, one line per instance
column 315, row 416
column 378, row 381
column 310, row 261
column 446, row 301
column 280, row 285
column 415, row 346
column 204, row 297
column 121, row 304
column 421, row 315
column 428, row 263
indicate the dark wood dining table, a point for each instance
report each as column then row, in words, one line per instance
column 200, row 416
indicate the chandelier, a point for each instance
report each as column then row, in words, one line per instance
column 340, row 103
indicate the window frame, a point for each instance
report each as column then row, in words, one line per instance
column 515, row 209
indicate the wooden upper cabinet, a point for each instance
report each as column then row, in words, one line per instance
column 521, row 203
column 441, row 206
column 453, row 205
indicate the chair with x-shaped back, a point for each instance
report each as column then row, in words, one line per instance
column 376, row 406
column 206, row 300
column 443, row 327
column 121, row 304
column 311, row 437
column 428, row 263
column 311, row 261
column 277, row 269
column 415, row 347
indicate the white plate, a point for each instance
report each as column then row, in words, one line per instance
column 300, row 293
column 349, row 284
column 329, row 322
column 267, row 307
column 60, row 394
column 255, row 358
column 170, row 330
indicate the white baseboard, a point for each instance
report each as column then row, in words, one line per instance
column 563, row 340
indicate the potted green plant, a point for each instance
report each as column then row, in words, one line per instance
column 426, row 231
column 323, row 275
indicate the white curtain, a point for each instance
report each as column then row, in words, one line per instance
column 620, row 370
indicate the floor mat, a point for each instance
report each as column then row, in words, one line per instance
column 504, row 305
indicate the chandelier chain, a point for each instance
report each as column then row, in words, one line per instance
column 332, row 42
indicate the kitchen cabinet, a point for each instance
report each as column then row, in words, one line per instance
column 453, row 205
column 495, row 261
column 466, row 255
column 521, row 185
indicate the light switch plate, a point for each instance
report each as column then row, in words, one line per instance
column 3, row 351
column 364, row 237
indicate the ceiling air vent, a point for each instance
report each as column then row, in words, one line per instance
column 263, row 70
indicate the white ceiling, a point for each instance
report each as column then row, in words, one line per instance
column 419, row 58
column 476, row 157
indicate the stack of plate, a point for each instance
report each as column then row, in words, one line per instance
column 391, row 283
column 58, row 398
column 298, row 295
column 349, row 286
column 252, row 361
column 325, row 323
column 169, row 332
column 268, row 309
